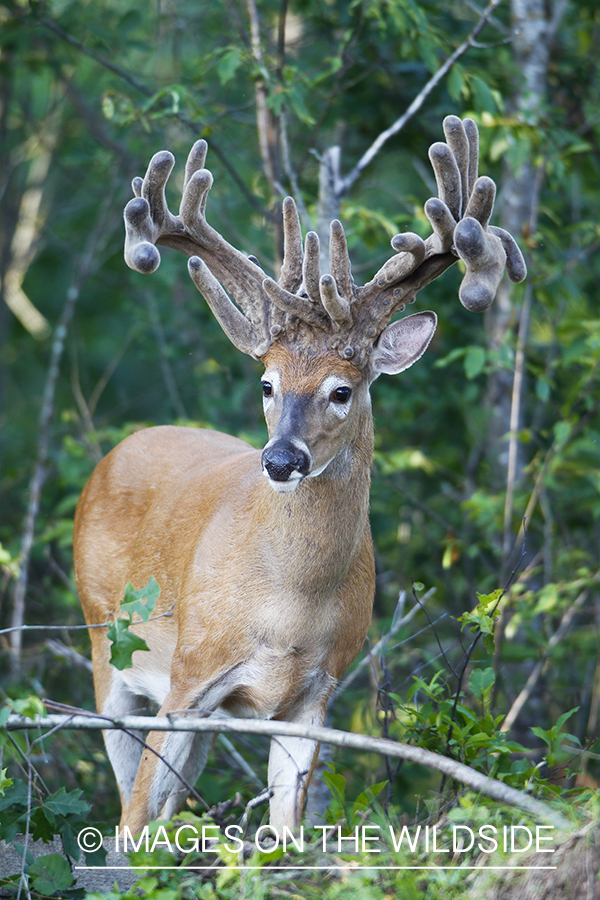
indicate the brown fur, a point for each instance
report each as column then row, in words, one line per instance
column 280, row 582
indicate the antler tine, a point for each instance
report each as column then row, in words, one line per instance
column 236, row 326
column 290, row 278
column 484, row 258
column 147, row 215
column 295, row 305
column 195, row 161
column 442, row 223
column 457, row 140
column 410, row 254
column 485, row 250
column 311, row 268
column 473, row 138
column 339, row 260
column 447, row 176
column 336, row 305
column 515, row 264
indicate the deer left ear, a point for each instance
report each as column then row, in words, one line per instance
column 402, row 343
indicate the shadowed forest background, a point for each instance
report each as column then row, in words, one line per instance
column 498, row 425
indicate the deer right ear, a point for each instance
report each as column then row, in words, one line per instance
column 402, row 343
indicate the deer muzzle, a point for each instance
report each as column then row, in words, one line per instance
column 285, row 464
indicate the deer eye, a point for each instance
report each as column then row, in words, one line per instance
column 267, row 388
column 340, row 395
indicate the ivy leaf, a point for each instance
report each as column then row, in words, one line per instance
column 65, row 803
column 124, row 644
column 142, row 601
column 50, row 874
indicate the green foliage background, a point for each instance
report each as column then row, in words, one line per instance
column 100, row 87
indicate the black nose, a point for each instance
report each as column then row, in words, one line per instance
column 281, row 459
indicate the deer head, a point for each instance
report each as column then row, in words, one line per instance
column 327, row 316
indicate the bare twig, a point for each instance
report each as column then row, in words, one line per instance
column 435, row 634
column 291, row 174
column 460, row 772
column 130, row 731
column 565, row 624
column 147, row 92
column 87, row 262
column 241, row 762
column 373, row 652
column 108, row 373
column 163, row 357
column 61, row 651
column 166, row 614
column 515, row 416
column 346, row 183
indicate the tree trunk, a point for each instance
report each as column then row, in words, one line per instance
column 533, row 29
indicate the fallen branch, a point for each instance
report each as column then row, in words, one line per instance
column 384, row 746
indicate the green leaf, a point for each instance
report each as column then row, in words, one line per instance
column 29, row 706
column 562, row 719
column 562, row 430
column 543, row 734
column 489, row 644
column 65, row 803
column 474, row 361
column 5, row 782
column 542, row 390
column 481, row 681
column 482, row 95
column 50, row 874
column 485, row 600
column 124, row 644
column 229, row 64
column 455, row 82
column 336, row 784
column 451, row 357
column 367, row 796
column 142, row 601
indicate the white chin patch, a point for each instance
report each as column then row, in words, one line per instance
column 318, row 471
column 284, row 487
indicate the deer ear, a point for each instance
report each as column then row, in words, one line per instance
column 402, row 343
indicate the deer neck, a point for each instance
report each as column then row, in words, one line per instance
column 317, row 530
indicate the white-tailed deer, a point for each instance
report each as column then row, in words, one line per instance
column 266, row 557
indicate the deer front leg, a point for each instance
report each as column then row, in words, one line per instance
column 158, row 789
column 171, row 761
column 291, row 764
